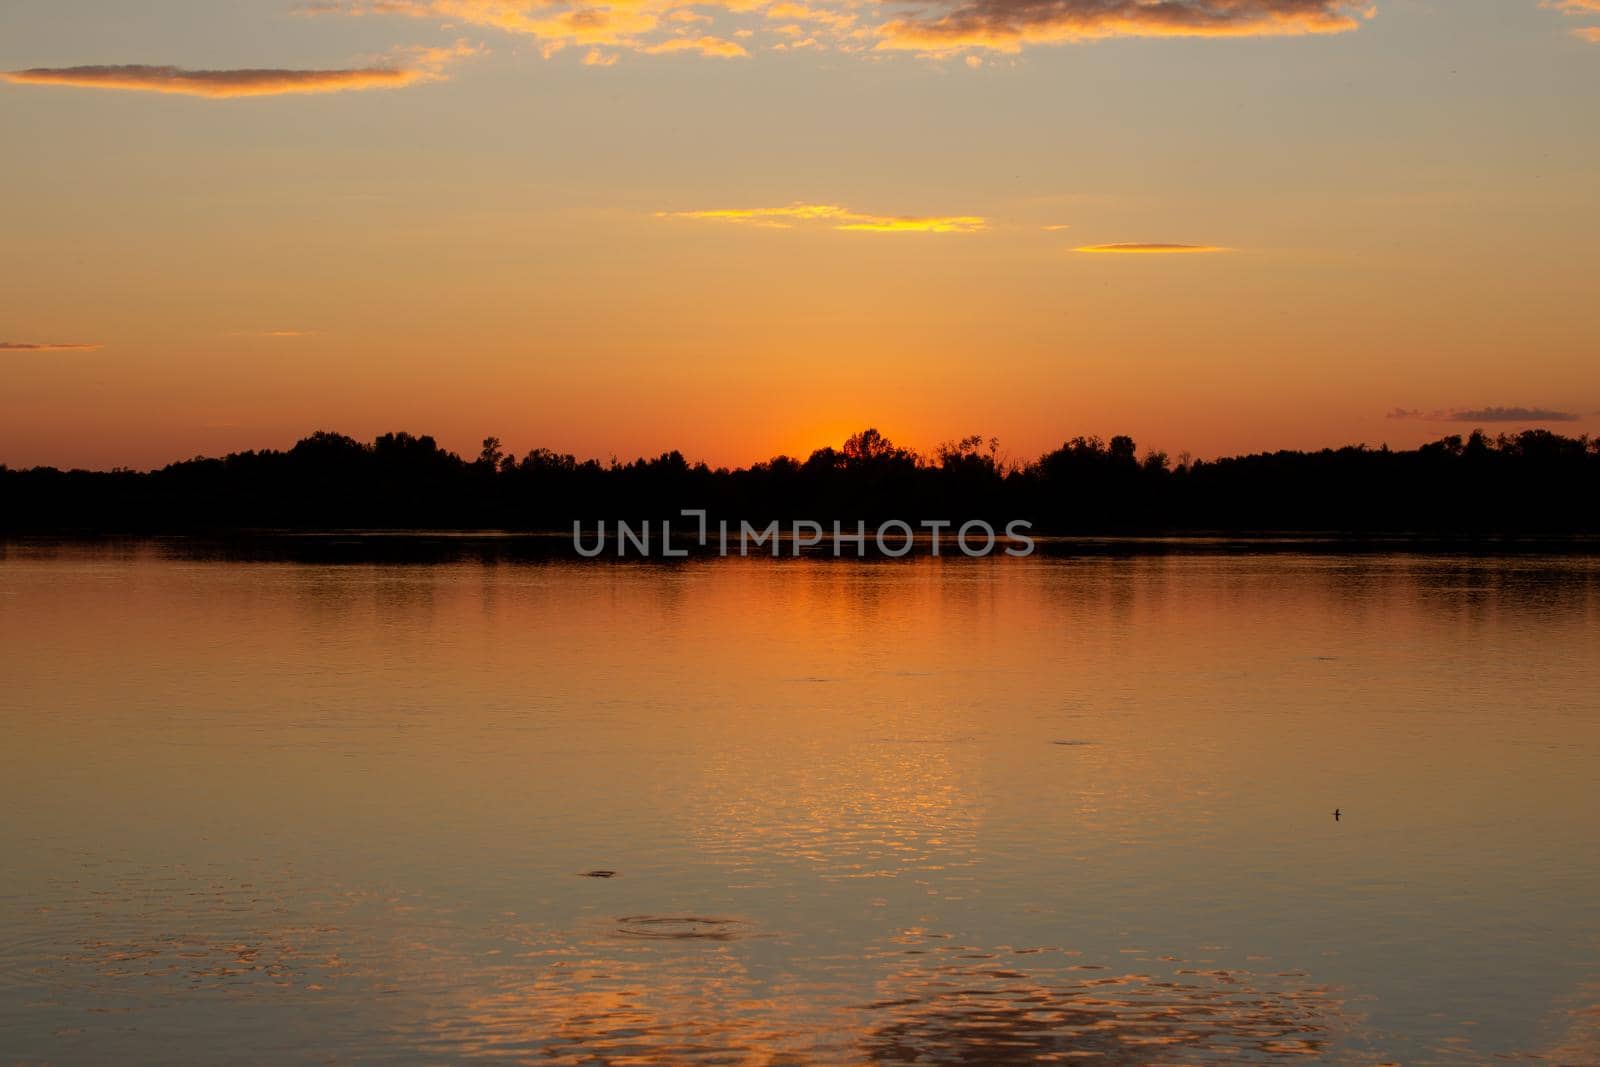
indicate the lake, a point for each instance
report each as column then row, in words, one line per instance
column 1075, row 808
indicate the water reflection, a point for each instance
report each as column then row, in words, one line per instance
column 886, row 808
column 973, row 1007
column 681, row 928
column 940, row 1003
column 573, row 1008
column 1068, row 809
column 125, row 951
column 1578, row 1040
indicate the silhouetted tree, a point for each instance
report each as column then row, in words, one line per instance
column 1532, row 482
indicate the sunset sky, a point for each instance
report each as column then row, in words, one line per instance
column 750, row 227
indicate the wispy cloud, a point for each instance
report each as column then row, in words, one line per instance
column 1488, row 414
column 705, row 46
column 1582, row 8
column 40, row 346
column 1008, row 25
column 219, row 84
column 407, row 66
column 833, row 216
column 786, row 11
column 1150, row 249
column 553, row 22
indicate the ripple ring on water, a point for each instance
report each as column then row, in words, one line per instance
column 680, row 928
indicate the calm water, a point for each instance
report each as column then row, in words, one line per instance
column 1047, row 810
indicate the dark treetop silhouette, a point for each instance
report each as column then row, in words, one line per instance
column 1533, row 482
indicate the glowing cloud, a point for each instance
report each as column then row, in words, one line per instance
column 1007, row 25
column 555, row 23
column 1151, row 249
column 705, row 46
column 944, row 26
column 1581, row 8
column 787, row 11
column 833, row 216
column 220, row 84
column 29, row 346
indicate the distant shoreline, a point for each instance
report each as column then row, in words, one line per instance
column 548, row 546
column 1475, row 489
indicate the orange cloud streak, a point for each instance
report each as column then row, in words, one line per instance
column 219, row 84
column 1007, row 25
column 835, row 217
column 1150, row 249
column 705, row 46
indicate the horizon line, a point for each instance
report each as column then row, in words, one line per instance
column 923, row 457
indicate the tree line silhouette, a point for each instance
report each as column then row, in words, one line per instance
column 1532, row 482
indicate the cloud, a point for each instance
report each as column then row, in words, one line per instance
column 32, row 346
column 1489, row 414
column 1498, row 414
column 1007, row 25
column 787, row 11
column 1056, row 227
column 554, row 22
column 220, row 84
column 833, row 216
column 705, row 46
column 404, row 66
column 1150, row 249
column 1580, row 8
column 435, row 59
column 938, row 27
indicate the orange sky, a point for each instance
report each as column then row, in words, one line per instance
column 747, row 228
